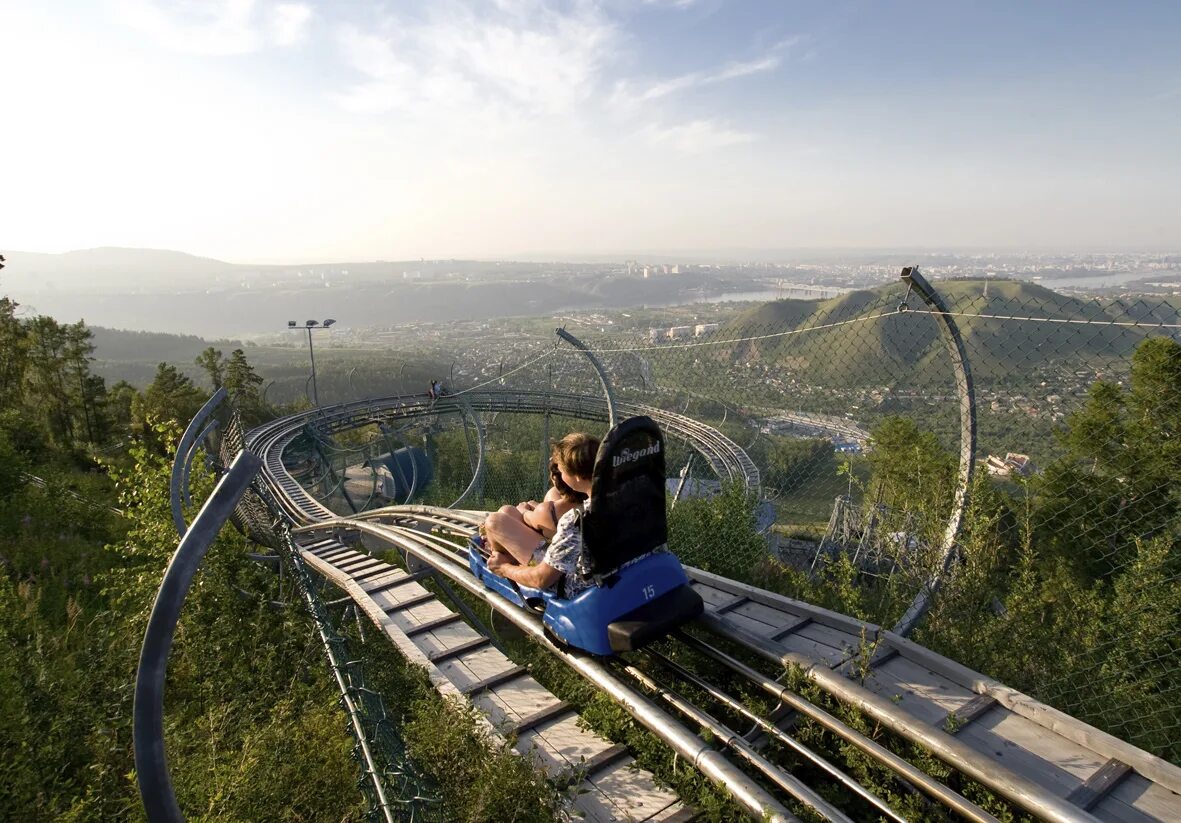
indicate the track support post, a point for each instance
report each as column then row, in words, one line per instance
column 958, row 353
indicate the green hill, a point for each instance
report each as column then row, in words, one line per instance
column 859, row 337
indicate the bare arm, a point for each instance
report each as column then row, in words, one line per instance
column 543, row 518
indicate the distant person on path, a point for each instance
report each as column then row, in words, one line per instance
column 520, row 551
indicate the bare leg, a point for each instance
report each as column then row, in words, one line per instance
column 490, row 543
column 509, row 535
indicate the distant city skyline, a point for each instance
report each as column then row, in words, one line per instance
column 288, row 131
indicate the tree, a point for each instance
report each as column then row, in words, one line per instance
column 13, row 354
column 213, row 364
column 171, row 396
column 85, row 387
column 912, row 472
column 1117, row 483
column 242, row 384
column 119, row 400
column 46, row 378
column 794, row 463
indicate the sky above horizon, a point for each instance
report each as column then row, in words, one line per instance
column 284, row 130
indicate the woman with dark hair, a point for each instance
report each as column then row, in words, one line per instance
column 523, row 545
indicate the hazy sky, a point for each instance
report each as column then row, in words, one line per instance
column 267, row 130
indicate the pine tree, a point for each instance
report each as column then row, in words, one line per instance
column 171, row 396
column 214, row 365
column 1117, row 484
column 243, row 385
column 14, row 345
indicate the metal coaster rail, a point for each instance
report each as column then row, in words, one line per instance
column 726, row 458
column 730, row 617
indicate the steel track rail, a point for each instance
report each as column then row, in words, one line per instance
column 899, row 766
column 1156, row 780
column 760, row 804
column 449, row 553
column 1157, row 784
column 726, row 458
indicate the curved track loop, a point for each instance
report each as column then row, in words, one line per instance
column 1040, row 760
column 725, row 457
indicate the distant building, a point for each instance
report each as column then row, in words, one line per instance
column 1021, row 463
column 656, row 334
column 705, row 328
column 680, row 332
column 1012, row 463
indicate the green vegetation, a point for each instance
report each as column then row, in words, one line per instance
column 253, row 728
column 247, row 694
column 1069, row 583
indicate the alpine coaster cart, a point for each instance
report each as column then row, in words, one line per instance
column 639, row 590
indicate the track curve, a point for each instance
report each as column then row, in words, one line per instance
column 1040, row 760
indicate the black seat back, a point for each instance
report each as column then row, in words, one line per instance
column 626, row 516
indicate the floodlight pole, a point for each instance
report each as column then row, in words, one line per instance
column 312, row 355
column 309, row 325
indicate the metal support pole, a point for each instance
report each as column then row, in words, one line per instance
column 413, row 474
column 151, row 765
column 681, row 483
column 545, row 452
column 963, row 380
column 476, row 487
column 599, row 369
column 337, row 482
column 312, row 355
column 182, row 450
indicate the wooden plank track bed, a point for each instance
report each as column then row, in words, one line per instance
column 1110, row 779
column 463, row 663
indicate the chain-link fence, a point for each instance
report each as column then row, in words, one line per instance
column 1066, row 581
column 394, row 789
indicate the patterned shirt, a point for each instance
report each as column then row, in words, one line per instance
column 564, row 550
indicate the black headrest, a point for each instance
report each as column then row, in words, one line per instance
column 626, row 516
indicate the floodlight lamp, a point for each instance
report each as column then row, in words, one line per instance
column 311, row 322
column 328, row 322
column 291, row 324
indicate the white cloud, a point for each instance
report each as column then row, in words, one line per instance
column 695, row 136
column 676, row 4
column 521, row 56
column 628, row 97
column 289, row 23
column 217, row 28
